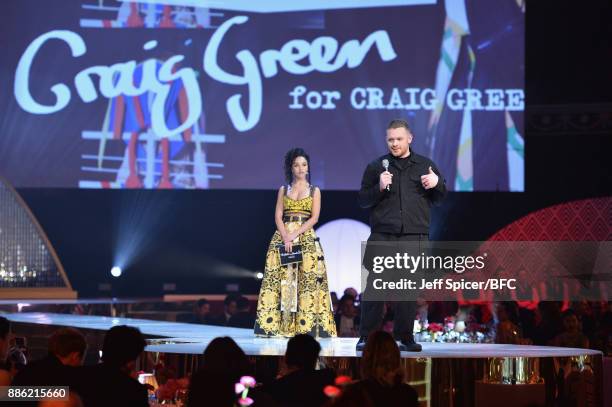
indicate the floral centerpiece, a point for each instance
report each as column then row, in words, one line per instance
column 452, row 331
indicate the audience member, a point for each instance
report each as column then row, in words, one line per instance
column 572, row 336
column 66, row 351
column 224, row 355
column 382, row 377
column 347, row 321
column 548, row 322
column 113, row 382
column 201, row 313
column 301, row 384
column 230, row 305
column 508, row 329
column 352, row 292
column 243, row 318
column 584, row 313
column 210, row 388
column 213, row 384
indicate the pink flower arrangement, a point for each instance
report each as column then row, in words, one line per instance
column 435, row 327
column 242, row 388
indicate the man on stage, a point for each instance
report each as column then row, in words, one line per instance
column 399, row 188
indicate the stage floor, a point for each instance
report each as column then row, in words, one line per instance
column 182, row 338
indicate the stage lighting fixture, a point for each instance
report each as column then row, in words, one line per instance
column 116, row 271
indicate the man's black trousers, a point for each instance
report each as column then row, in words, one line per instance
column 372, row 311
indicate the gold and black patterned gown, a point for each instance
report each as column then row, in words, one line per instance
column 295, row 299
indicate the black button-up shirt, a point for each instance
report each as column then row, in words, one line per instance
column 406, row 206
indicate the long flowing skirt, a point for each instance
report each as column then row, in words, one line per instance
column 295, row 299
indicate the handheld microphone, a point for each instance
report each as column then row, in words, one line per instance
column 385, row 164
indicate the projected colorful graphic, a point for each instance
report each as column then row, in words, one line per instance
column 169, row 94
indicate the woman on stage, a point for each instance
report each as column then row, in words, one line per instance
column 294, row 298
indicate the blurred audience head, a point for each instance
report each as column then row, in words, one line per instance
column 507, row 311
column 68, row 345
column 202, row 306
column 302, row 352
column 352, row 292
column 213, row 384
column 570, row 321
column 243, row 304
column 231, row 304
column 346, row 306
column 224, row 355
column 381, row 359
column 122, row 346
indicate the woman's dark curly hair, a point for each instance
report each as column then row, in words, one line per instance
column 290, row 158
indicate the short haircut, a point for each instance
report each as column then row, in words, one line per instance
column 302, row 351
column 242, row 303
column 399, row 123
column 64, row 341
column 201, row 302
column 5, row 328
column 230, row 298
column 122, row 344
